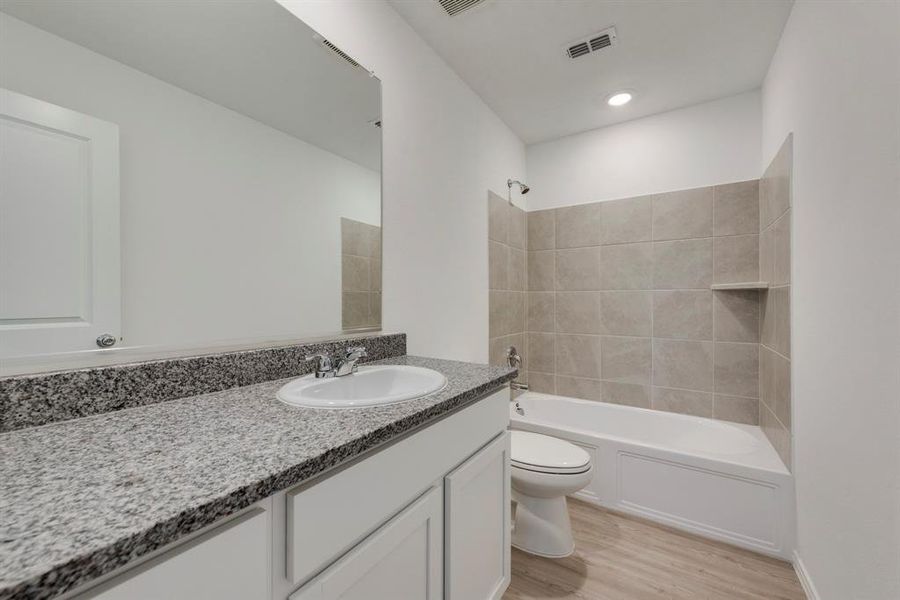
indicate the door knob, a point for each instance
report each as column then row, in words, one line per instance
column 106, row 340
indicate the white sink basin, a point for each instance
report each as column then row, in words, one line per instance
column 370, row 386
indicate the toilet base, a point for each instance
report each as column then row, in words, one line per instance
column 542, row 526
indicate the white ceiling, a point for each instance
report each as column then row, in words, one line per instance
column 252, row 56
column 670, row 53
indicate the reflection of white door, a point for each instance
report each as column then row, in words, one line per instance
column 59, row 228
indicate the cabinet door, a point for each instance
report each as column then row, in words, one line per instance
column 230, row 562
column 477, row 525
column 401, row 560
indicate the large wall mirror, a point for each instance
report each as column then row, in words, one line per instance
column 178, row 175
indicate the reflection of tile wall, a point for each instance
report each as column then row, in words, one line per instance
column 360, row 274
column 775, row 267
column 619, row 307
column 506, row 276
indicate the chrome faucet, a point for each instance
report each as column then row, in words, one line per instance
column 324, row 367
column 338, row 366
column 347, row 365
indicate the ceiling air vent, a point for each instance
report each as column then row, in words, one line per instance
column 454, row 7
column 592, row 43
column 336, row 51
column 579, row 49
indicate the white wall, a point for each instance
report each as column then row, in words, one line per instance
column 230, row 229
column 443, row 149
column 841, row 101
column 705, row 144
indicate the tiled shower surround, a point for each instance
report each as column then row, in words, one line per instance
column 775, row 267
column 360, row 274
column 507, row 271
column 618, row 305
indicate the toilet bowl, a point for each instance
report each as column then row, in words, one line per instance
column 544, row 470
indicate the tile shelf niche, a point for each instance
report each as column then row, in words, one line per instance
column 745, row 285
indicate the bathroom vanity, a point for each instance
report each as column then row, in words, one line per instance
column 425, row 515
column 236, row 495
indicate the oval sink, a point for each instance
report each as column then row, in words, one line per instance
column 370, row 386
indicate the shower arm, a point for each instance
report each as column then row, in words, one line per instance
column 523, row 189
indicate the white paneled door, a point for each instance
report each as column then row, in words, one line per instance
column 59, row 228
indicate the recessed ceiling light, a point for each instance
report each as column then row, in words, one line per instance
column 619, row 99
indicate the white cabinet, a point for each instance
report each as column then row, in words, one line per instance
column 342, row 509
column 423, row 518
column 456, row 549
column 229, row 562
column 477, row 525
column 402, row 560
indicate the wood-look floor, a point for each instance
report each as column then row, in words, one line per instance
column 618, row 557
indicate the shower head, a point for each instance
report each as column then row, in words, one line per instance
column 523, row 189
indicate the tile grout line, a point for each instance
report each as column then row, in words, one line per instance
column 664, row 240
column 714, row 378
column 648, row 337
column 555, row 303
column 650, row 241
column 650, row 399
column 762, row 230
column 650, row 385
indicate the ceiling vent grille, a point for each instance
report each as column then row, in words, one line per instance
column 454, row 7
column 593, row 43
column 337, row 51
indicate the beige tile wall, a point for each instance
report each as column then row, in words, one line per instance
column 506, row 275
column 618, row 306
column 775, row 328
column 360, row 275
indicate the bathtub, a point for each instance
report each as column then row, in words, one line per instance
column 721, row 480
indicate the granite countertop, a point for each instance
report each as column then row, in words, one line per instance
column 80, row 498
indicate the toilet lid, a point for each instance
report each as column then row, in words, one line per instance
column 538, row 452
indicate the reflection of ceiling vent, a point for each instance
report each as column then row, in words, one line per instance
column 592, row 43
column 337, row 51
column 454, row 7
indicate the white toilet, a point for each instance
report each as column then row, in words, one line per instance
column 544, row 470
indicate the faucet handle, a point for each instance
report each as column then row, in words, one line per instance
column 323, row 362
column 357, row 351
column 512, row 357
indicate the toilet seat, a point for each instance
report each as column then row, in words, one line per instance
column 545, row 454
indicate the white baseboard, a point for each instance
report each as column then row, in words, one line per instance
column 804, row 578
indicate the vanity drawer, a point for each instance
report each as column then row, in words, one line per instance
column 326, row 518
